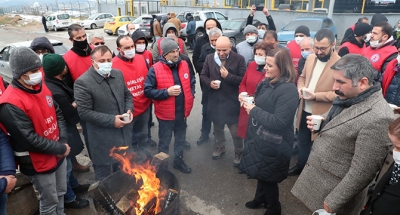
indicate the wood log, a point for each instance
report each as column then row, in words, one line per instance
column 22, row 201
column 160, row 160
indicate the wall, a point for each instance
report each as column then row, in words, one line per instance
column 281, row 18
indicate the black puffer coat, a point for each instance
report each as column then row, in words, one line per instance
column 275, row 109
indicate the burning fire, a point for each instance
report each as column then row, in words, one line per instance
column 149, row 190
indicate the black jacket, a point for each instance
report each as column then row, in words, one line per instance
column 385, row 199
column 271, row 23
column 42, row 42
column 64, row 96
column 275, row 109
column 300, row 66
column 206, row 50
column 139, row 35
column 7, row 163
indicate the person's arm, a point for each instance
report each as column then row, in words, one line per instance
column 387, row 61
column 185, row 51
column 197, row 52
column 271, row 23
column 6, row 156
column 205, row 73
column 371, row 147
column 199, row 64
column 150, row 87
column 69, row 112
column 251, row 15
column 236, row 79
column 154, row 52
column 343, row 51
column 62, row 126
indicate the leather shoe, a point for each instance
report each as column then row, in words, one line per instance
column 294, row 171
column 82, row 188
column 78, row 203
column 181, row 166
column 151, row 142
column 254, row 204
column 202, row 139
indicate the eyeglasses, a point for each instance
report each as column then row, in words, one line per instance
column 99, row 43
column 322, row 49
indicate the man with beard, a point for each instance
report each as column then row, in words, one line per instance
column 351, row 144
column 355, row 43
column 315, row 91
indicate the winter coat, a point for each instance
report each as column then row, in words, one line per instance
column 139, row 35
column 391, row 85
column 345, row 157
column 191, row 26
column 7, row 163
column 247, row 50
column 176, row 22
column 275, row 108
column 157, row 28
column 206, row 50
column 223, row 105
column 155, row 45
column 42, row 43
column 99, row 100
column 353, row 48
column 64, row 96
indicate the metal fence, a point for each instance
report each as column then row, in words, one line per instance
column 74, row 9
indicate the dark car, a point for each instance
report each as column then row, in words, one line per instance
column 234, row 29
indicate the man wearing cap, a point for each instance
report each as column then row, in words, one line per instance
column 55, row 69
column 245, row 48
column 294, row 45
column 350, row 30
column 355, row 44
column 37, row 130
column 102, row 98
column 171, row 87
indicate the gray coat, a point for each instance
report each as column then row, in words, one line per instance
column 246, row 50
column 345, row 157
column 98, row 102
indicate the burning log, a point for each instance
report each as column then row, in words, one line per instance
column 160, row 160
column 100, row 194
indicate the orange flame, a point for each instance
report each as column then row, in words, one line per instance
column 150, row 188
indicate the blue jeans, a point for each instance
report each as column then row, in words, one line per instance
column 3, row 203
column 71, row 183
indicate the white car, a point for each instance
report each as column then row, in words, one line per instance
column 58, row 20
column 96, row 20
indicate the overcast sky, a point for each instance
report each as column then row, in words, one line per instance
column 31, row 2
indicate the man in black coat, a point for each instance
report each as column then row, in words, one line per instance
column 44, row 20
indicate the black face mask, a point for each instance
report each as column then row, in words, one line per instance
column 326, row 57
column 81, row 44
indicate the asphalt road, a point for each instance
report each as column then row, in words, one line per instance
column 214, row 187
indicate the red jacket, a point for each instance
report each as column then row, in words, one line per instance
column 295, row 52
column 249, row 85
column 77, row 65
column 41, row 111
column 2, row 87
column 134, row 73
column 377, row 57
column 181, row 46
column 148, row 56
column 353, row 48
column 388, row 76
column 165, row 109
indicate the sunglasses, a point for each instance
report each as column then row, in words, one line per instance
column 99, row 43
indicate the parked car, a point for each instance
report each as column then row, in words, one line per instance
column 112, row 25
column 233, row 29
column 142, row 23
column 200, row 17
column 96, row 20
column 314, row 24
column 5, row 70
column 58, row 20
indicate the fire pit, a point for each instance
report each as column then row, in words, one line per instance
column 138, row 189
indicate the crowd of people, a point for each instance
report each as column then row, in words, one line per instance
column 258, row 89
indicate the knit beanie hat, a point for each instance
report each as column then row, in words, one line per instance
column 361, row 29
column 23, row 60
column 168, row 45
column 53, row 64
column 250, row 29
column 302, row 29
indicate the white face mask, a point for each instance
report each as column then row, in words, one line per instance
column 129, row 53
column 251, row 39
column 368, row 37
column 375, row 44
column 104, row 68
column 261, row 33
column 41, row 57
column 131, row 32
column 217, row 60
column 34, row 78
column 396, row 156
column 260, row 60
column 170, row 35
column 208, row 32
column 140, row 47
column 298, row 40
column 322, row 212
column 212, row 46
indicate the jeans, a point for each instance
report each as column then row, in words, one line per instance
column 191, row 41
column 220, row 136
column 268, row 193
column 304, row 140
column 205, row 122
column 140, row 129
column 72, row 182
column 102, row 171
column 51, row 188
column 150, row 122
column 3, row 204
column 166, row 128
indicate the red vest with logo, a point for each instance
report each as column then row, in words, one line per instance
column 77, row 65
column 181, row 46
column 42, row 113
column 165, row 109
column 353, row 48
column 377, row 57
column 295, row 52
column 134, row 73
column 2, row 87
column 148, row 56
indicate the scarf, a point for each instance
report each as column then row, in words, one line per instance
column 338, row 104
column 82, row 52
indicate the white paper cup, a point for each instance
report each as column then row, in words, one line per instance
column 392, row 106
column 177, row 86
column 317, row 120
column 243, row 94
column 126, row 117
column 218, row 82
column 305, row 94
column 249, row 100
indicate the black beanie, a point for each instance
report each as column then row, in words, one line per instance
column 303, row 29
column 361, row 29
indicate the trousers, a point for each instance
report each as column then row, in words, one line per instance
column 220, row 136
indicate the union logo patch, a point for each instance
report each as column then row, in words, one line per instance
column 374, row 58
column 49, row 101
column 186, row 76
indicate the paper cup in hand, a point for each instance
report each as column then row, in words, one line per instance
column 243, row 94
column 249, row 100
column 126, row 117
column 392, row 106
column 305, row 94
column 218, row 82
column 317, row 120
column 177, row 86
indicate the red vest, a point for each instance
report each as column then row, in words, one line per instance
column 134, row 73
column 388, row 75
column 353, row 48
column 295, row 52
column 77, row 65
column 148, row 56
column 40, row 110
column 165, row 109
column 352, row 27
column 181, row 46
column 378, row 56
column 2, row 88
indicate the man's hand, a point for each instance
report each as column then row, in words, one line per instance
column 74, row 104
column 252, row 10
column 310, row 95
column 327, row 208
column 11, row 181
column 300, row 93
column 68, row 150
column 119, row 122
column 214, row 85
column 130, row 115
column 172, row 91
column 310, row 123
column 265, row 11
column 224, row 72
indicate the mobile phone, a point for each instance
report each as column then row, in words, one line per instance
column 259, row 8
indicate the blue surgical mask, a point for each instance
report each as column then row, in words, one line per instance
column 217, row 60
column 305, row 54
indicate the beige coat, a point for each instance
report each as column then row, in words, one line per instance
column 345, row 157
column 176, row 22
column 323, row 90
column 157, row 29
